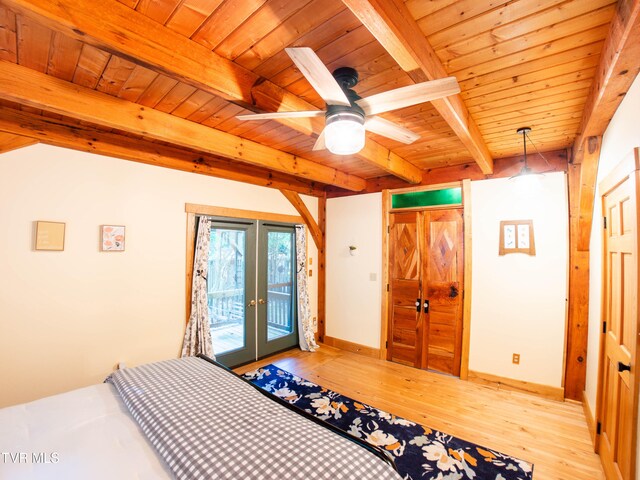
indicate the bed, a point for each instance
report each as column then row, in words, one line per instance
column 182, row 418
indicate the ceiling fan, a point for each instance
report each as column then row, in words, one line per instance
column 347, row 116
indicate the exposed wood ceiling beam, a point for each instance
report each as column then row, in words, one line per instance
column 62, row 133
column 9, row 141
column 25, row 86
column 118, row 29
column 503, row 168
column 393, row 26
column 616, row 71
column 304, row 212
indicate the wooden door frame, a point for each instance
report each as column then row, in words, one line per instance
column 466, row 225
column 629, row 166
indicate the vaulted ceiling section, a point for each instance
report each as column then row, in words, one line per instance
column 161, row 82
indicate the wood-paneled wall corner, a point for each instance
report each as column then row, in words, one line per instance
column 588, row 174
column 575, row 367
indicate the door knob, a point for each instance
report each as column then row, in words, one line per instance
column 623, row 368
column 252, row 303
column 418, row 303
column 262, row 301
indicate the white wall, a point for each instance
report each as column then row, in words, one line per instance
column 66, row 318
column 621, row 137
column 518, row 302
column 353, row 298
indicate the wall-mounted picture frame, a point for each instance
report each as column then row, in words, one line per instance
column 112, row 238
column 516, row 236
column 49, row 236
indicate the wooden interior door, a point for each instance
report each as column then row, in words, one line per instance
column 618, row 400
column 425, row 290
column 442, row 288
column 405, row 267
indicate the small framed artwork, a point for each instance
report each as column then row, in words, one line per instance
column 516, row 236
column 50, row 236
column 112, row 238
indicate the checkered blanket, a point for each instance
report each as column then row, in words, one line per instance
column 206, row 423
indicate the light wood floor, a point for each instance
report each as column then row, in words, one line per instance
column 550, row 434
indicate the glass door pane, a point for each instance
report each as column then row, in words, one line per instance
column 279, row 284
column 231, row 282
column 277, row 313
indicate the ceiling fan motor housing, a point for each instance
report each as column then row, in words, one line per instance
column 346, row 77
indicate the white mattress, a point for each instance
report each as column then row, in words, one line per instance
column 90, row 433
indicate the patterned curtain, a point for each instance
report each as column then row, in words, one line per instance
column 306, row 336
column 197, row 338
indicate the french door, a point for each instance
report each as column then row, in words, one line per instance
column 251, row 289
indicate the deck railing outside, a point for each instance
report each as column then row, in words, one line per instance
column 227, row 307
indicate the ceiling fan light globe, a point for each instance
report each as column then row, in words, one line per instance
column 344, row 133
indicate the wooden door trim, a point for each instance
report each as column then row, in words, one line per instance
column 466, row 227
column 627, row 168
column 384, row 323
column 451, row 206
column 466, row 304
column 591, row 419
column 238, row 213
column 425, row 188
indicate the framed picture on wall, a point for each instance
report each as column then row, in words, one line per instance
column 112, row 238
column 516, row 236
column 50, row 236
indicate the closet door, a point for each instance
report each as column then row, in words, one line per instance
column 406, row 321
column 618, row 389
column 442, row 289
column 425, row 289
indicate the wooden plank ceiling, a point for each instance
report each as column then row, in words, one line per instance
column 518, row 63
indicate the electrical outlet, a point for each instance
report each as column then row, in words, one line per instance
column 516, row 358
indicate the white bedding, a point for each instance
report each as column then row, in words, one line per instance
column 83, row 434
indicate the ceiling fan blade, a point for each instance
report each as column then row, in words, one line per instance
column 319, row 145
column 390, row 130
column 276, row 115
column 410, row 95
column 318, row 75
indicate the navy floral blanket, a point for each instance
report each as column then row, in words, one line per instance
column 420, row 452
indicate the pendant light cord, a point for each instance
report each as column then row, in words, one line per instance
column 534, row 146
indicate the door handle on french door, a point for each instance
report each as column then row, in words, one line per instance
column 426, row 306
column 262, row 301
column 252, row 303
column 623, row 368
column 418, row 303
